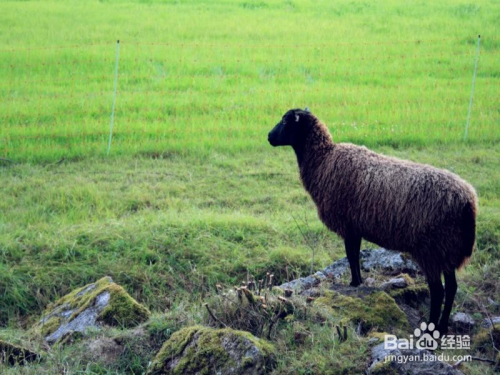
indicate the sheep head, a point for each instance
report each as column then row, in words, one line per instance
column 289, row 130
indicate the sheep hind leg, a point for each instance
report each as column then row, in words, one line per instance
column 450, row 284
column 352, row 249
column 437, row 295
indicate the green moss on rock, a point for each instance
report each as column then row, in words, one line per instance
column 412, row 295
column 103, row 301
column 50, row 325
column 377, row 310
column 408, row 278
column 121, row 310
column 201, row 350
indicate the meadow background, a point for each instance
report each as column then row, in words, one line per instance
column 198, row 76
column 192, row 194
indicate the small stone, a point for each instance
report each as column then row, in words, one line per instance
column 369, row 281
column 462, row 322
column 304, row 283
column 399, row 283
column 487, row 322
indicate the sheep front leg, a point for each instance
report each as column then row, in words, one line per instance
column 437, row 295
column 352, row 249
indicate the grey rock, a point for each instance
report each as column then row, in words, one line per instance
column 86, row 319
column 102, row 302
column 304, row 283
column 399, row 282
column 462, row 322
column 369, row 281
column 337, row 268
column 387, row 261
column 487, row 321
column 408, row 361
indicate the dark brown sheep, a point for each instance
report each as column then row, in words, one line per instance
column 400, row 205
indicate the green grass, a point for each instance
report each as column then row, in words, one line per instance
column 163, row 227
column 199, row 76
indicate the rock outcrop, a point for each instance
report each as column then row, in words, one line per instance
column 101, row 303
column 202, row 350
column 389, row 262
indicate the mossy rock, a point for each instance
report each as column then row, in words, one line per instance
column 408, row 278
column 203, row 350
column 11, row 354
column 102, row 302
column 412, row 295
column 377, row 310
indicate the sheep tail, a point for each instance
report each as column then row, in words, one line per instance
column 469, row 232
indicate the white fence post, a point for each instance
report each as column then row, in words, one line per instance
column 114, row 96
column 473, row 86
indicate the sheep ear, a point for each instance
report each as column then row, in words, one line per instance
column 297, row 118
column 307, row 109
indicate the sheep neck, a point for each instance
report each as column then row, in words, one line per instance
column 311, row 152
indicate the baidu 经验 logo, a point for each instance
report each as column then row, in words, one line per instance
column 424, row 337
column 427, row 337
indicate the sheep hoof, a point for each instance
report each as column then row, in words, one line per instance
column 355, row 283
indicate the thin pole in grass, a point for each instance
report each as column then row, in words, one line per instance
column 313, row 250
column 473, row 86
column 114, row 96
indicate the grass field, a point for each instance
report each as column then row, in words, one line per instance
column 167, row 228
column 198, row 76
column 192, row 194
